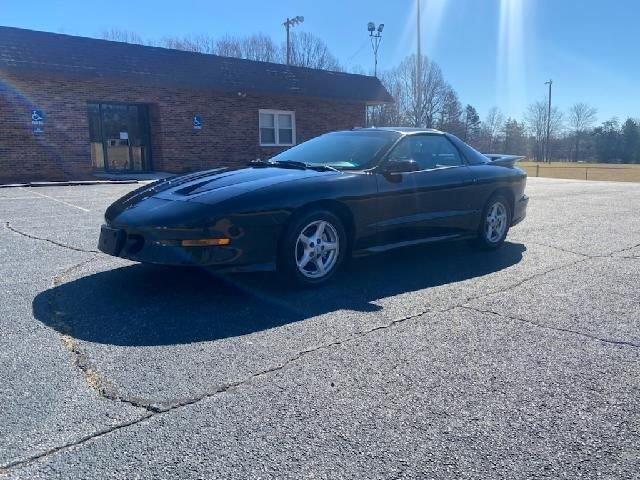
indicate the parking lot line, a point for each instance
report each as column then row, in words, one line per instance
column 59, row 201
column 17, row 198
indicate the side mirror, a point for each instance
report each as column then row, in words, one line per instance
column 401, row 166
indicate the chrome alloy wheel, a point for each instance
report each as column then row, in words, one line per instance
column 495, row 223
column 317, row 249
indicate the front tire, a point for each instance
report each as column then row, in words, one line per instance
column 313, row 248
column 495, row 222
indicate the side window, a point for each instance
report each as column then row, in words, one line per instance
column 430, row 151
column 448, row 155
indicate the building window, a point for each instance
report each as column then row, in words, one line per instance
column 277, row 128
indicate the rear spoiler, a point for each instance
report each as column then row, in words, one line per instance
column 503, row 160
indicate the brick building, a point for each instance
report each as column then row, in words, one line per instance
column 71, row 107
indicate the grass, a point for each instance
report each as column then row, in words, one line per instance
column 617, row 172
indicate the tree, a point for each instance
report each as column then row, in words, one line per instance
column 391, row 114
column 490, row 129
column 472, row 124
column 262, row 48
column 451, row 113
column 307, row 50
column 581, row 118
column 433, row 91
column 228, row 46
column 119, row 35
column 421, row 96
column 631, row 141
column 607, row 138
column 424, row 100
column 198, row 43
column 257, row 47
column 515, row 139
column 536, row 121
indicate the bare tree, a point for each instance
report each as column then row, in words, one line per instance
column 228, row 46
column 581, row 118
column 258, row 47
column 198, row 43
column 119, row 35
column 536, row 120
column 421, row 96
column 307, row 50
column 262, row 48
column 391, row 114
column 434, row 91
column 491, row 129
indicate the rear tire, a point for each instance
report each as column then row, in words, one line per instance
column 313, row 248
column 495, row 223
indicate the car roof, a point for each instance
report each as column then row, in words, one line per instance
column 403, row 130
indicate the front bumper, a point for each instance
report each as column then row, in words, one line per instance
column 520, row 210
column 147, row 246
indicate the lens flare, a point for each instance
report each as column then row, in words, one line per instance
column 511, row 67
column 431, row 17
column 19, row 103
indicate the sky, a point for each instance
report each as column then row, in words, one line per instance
column 493, row 52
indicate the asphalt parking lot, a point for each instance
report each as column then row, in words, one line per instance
column 432, row 362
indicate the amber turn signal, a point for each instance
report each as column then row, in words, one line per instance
column 206, row 242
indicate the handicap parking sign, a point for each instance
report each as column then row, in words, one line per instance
column 37, row 121
column 37, row 116
column 197, row 122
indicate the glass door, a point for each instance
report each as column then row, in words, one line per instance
column 123, row 131
column 115, row 134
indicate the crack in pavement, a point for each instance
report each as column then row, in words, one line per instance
column 5, row 469
column 81, row 359
column 154, row 405
column 549, row 327
column 159, row 408
column 11, row 228
column 154, row 408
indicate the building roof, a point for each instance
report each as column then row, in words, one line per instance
column 52, row 53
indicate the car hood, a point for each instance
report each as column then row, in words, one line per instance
column 211, row 186
column 221, row 184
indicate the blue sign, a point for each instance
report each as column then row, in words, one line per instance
column 197, row 122
column 37, row 121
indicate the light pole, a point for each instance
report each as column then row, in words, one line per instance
column 546, row 155
column 376, row 38
column 290, row 22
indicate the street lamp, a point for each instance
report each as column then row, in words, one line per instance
column 376, row 37
column 290, row 22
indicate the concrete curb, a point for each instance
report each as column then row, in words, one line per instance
column 69, row 183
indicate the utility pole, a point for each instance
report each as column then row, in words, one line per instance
column 418, row 92
column 376, row 38
column 290, row 22
column 546, row 155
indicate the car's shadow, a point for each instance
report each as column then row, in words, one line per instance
column 144, row 305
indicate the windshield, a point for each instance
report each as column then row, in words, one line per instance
column 343, row 150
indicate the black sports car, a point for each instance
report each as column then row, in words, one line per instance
column 303, row 211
